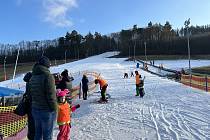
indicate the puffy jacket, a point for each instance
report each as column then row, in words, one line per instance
column 102, row 82
column 42, row 89
column 65, row 83
column 85, row 83
column 64, row 113
column 141, row 84
column 137, row 79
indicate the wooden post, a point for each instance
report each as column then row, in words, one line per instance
column 206, row 77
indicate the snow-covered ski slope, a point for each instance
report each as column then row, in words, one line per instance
column 168, row 111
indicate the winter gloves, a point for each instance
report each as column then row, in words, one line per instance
column 77, row 106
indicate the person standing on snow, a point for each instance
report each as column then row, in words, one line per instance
column 64, row 115
column 137, row 83
column 84, row 86
column 141, row 86
column 31, row 125
column 132, row 75
column 66, row 81
column 103, row 86
column 43, row 94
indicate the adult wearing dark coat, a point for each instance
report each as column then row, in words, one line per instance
column 44, row 104
column 84, row 86
column 31, row 125
column 66, row 81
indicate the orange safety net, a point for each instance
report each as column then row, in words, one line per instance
column 185, row 79
column 208, row 83
column 77, row 90
column 200, row 82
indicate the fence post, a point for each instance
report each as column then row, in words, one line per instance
column 190, row 80
column 206, row 78
column 3, row 101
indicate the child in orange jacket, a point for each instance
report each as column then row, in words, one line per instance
column 64, row 115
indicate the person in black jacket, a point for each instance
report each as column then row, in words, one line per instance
column 84, row 86
column 31, row 125
column 66, row 81
column 141, row 86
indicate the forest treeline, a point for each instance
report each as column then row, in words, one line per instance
column 159, row 40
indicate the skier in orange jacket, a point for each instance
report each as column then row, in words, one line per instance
column 103, row 86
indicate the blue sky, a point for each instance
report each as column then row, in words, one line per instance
column 48, row 19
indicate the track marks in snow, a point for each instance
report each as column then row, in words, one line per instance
column 168, row 125
column 167, row 111
column 155, row 123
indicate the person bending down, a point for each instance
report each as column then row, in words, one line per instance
column 103, row 86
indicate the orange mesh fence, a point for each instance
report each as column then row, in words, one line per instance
column 200, row 82
column 208, row 83
column 10, row 123
column 77, row 90
column 185, row 79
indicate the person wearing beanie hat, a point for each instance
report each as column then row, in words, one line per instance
column 66, row 81
column 84, row 84
column 27, row 77
column 44, row 61
column 43, row 94
column 64, row 115
column 31, row 124
column 65, row 73
column 141, row 86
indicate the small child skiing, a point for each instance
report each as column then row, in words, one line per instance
column 125, row 75
column 64, row 115
column 103, row 85
column 141, row 87
column 132, row 75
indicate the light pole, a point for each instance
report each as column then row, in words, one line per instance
column 187, row 23
column 16, row 64
column 5, row 74
column 145, row 50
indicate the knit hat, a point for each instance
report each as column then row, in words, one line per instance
column 65, row 73
column 60, row 93
column 27, row 77
column 44, row 61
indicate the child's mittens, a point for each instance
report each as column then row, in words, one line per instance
column 77, row 106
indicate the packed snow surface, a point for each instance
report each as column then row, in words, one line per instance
column 169, row 110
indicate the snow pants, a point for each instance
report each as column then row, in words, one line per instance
column 103, row 92
column 137, row 90
column 84, row 90
column 64, row 133
column 141, row 91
